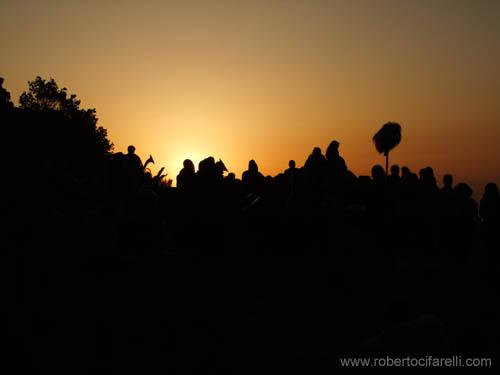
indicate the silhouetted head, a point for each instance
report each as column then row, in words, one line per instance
column 491, row 191
column 231, row 177
column 448, row 180
column 131, row 149
column 395, row 170
column 405, row 172
column 333, row 150
column 291, row 164
column 252, row 166
column 463, row 190
column 378, row 172
column 206, row 165
column 427, row 175
column 188, row 165
column 316, row 151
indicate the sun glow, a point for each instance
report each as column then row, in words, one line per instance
column 271, row 80
column 175, row 154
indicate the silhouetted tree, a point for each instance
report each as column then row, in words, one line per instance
column 388, row 137
column 45, row 95
column 5, row 102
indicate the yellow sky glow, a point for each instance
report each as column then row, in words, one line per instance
column 269, row 80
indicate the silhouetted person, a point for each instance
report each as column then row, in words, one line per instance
column 428, row 191
column 233, row 184
column 232, row 190
column 288, row 180
column 315, row 175
column 393, row 185
column 466, row 216
column 231, row 177
column 406, row 173
column 428, row 208
column 252, row 179
column 447, row 213
column 206, row 166
column 291, row 168
column 207, row 177
column 336, row 163
column 186, row 176
column 332, row 151
column 394, row 189
column 291, row 172
column 394, row 177
column 490, row 205
column 220, row 168
column 489, row 210
column 376, row 205
column 133, row 160
column 133, row 168
column 340, row 179
column 467, row 206
column 427, row 177
column 409, row 184
column 447, row 192
column 378, row 174
column 447, row 182
column 315, row 161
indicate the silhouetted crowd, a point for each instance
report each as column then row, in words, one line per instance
column 108, row 266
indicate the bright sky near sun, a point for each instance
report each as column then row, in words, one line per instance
column 269, row 80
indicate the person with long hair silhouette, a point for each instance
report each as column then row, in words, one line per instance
column 252, row 179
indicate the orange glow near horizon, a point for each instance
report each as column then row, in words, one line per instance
column 270, row 80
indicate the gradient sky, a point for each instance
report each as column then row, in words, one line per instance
column 270, row 80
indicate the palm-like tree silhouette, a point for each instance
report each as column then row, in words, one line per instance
column 386, row 139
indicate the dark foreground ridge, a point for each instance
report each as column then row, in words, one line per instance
column 108, row 267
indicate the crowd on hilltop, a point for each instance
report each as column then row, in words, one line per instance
column 93, row 277
column 440, row 217
column 76, row 172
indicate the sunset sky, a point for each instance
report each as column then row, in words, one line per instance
column 269, row 80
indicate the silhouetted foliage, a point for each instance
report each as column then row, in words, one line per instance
column 5, row 102
column 388, row 137
column 45, row 95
